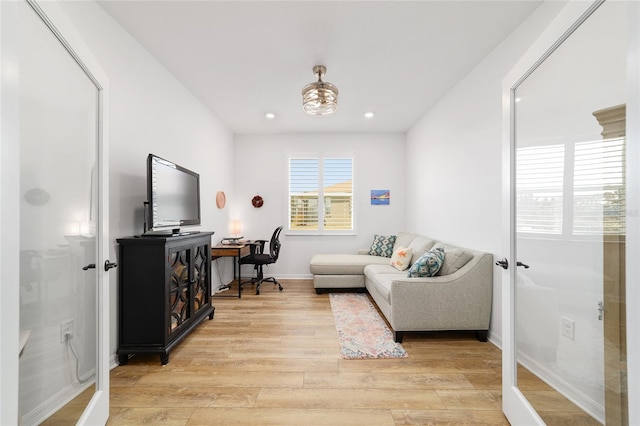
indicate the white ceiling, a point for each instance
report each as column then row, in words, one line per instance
column 245, row 58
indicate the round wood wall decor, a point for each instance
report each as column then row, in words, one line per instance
column 257, row 201
column 221, row 199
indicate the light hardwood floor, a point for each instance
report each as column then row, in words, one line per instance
column 274, row 359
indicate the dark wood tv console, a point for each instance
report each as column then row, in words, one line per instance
column 164, row 291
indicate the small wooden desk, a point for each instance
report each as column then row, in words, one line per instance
column 233, row 250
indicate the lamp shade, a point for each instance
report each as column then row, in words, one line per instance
column 236, row 227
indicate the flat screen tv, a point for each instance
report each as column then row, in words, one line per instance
column 173, row 197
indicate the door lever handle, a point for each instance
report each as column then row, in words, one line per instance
column 108, row 265
column 503, row 263
column 522, row 264
column 89, row 266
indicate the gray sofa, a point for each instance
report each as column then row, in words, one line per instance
column 457, row 298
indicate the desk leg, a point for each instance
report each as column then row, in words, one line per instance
column 239, row 276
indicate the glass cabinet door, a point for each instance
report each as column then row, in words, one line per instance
column 179, row 288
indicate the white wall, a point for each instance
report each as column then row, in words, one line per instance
column 454, row 156
column 261, row 168
column 150, row 112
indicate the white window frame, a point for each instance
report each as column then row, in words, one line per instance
column 321, row 157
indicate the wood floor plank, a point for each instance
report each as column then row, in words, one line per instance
column 313, row 365
column 173, row 396
column 387, row 381
column 471, row 399
column 434, row 367
column 356, row 398
column 140, row 416
column 485, row 380
column 290, row 417
column 449, row 417
column 232, row 378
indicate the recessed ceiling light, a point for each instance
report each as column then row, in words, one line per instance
column 518, row 99
column 368, row 114
column 269, row 116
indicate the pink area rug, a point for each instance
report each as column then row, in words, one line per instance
column 362, row 333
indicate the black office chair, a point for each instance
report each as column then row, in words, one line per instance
column 259, row 258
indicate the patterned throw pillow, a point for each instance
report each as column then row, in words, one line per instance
column 428, row 265
column 401, row 258
column 382, row 245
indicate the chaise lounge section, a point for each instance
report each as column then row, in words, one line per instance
column 458, row 297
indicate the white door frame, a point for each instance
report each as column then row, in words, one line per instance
column 515, row 406
column 97, row 411
column 9, row 216
column 633, row 214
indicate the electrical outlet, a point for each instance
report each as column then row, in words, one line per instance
column 568, row 328
column 66, row 329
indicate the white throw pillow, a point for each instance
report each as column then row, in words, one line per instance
column 401, row 258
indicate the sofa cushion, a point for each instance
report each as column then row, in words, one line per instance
column 403, row 239
column 420, row 245
column 428, row 264
column 371, row 270
column 380, row 278
column 382, row 245
column 345, row 264
column 454, row 259
column 401, row 258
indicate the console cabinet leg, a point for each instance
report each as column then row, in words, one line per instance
column 164, row 358
column 123, row 359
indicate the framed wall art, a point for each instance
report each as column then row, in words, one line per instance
column 380, row 197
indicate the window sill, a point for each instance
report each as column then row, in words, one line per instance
column 321, row 234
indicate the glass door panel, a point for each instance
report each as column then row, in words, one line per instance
column 59, row 132
column 569, row 222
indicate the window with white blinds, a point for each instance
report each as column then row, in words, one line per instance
column 599, row 205
column 321, row 181
column 589, row 200
column 304, row 180
column 539, row 189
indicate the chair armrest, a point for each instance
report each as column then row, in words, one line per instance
column 259, row 245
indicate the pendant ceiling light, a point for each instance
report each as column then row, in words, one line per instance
column 319, row 98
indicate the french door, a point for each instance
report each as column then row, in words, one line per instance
column 60, row 165
column 566, row 194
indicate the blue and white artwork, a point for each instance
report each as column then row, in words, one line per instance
column 380, row 197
